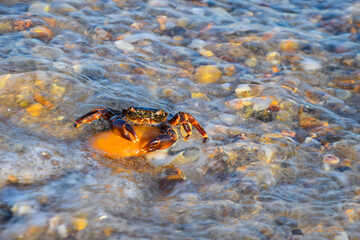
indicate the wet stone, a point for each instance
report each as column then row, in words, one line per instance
column 228, row 51
column 297, row 232
column 49, row 52
column 342, row 94
column 255, row 47
column 176, row 31
column 123, row 45
column 207, row 74
column 91, row 71
column 38, row 7
column 343, row 168
column 5, row 213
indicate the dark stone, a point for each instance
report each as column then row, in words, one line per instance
column 5, row 213
column 342, row 168
column 281, row 220
column 264, row 115
column 296, row 232
column 176, row 31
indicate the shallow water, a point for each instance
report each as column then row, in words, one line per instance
column 279, row 103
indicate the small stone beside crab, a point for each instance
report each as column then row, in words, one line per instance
column 138, row 131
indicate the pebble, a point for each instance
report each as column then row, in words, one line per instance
column 197, row 44
column 269, row 154
column 229, row 70
column 222, row 14
column 34, row 109
column 60, row 7
column 310, row 123
column 123, row 45
column 38, row 7
column 22, row 209
column 330, row 159
column 40, row 32
column 108, row 231
column 236, row 104
column 243, row 90
column 342, row 94
column 251, row 62
column 80, row 223
column 101, row 34
column 207, row 74
column 198, row 11
column 40, row 98
column 62, row 231
column 57, row 90
column 289, row 45
column 200, row 96
column 343, row 168
column 262, row 103
column 206, row 53
column 90, row 70
column 49, row 52
column 341, row 236
column 310, row 64
column 273, row 58
column 226, row 86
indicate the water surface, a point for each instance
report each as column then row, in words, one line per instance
column 275, row 84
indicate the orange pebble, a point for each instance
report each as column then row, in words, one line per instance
column 114, row 146
column 289, row 45
column 34, row 109
column 41, row 32
column 40, row 98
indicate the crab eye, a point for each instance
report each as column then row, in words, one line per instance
column 131, row 109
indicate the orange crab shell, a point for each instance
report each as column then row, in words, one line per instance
column 110, row 145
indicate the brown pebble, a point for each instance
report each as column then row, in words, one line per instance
column 22, row 25
column 40, row 98
column 309, row 123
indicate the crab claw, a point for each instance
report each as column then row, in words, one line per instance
column 123, row 129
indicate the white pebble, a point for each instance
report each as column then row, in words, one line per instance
column 38, row 7
column 140, row 36
column 221, row 13
column 22, row 209
column 198, row 11
column 262, row 103
column 123, row 45
column 243, row 90
column 197, row 44
column 310, row 64
column 269, row 154
column 225, row 86
column 341, row 236
column 62, row 231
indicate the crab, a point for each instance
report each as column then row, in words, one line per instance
column 121, row 122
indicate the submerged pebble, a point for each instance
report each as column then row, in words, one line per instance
column 123, row 45
column 330, row 159
column 207, row 74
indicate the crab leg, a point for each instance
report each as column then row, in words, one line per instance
column 163, row 141
column 184, row 119
column 95, row 114
column 118, row 126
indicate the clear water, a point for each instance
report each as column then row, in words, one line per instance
column 283, row 119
